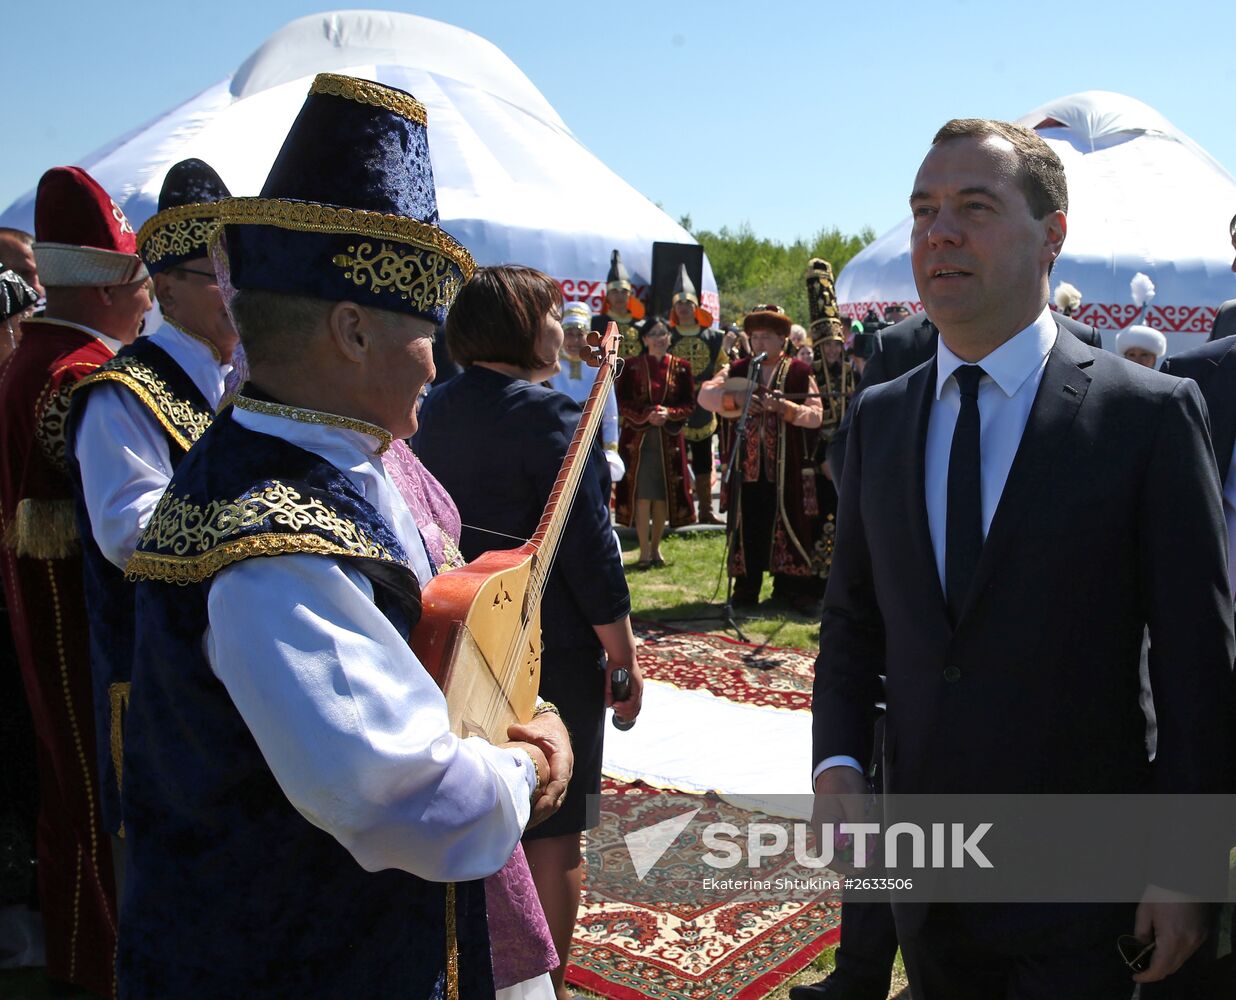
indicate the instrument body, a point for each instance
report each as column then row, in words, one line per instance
column 480, row 630
column 470, row 616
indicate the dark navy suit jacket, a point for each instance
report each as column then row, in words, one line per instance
column 496, row 444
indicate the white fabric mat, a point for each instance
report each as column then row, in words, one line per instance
column 692, row 741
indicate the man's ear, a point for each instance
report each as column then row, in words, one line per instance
column 349, row 331
column 1055, row 228
column 165, row 292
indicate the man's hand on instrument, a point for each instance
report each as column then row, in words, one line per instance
column 539, row 762
column 547, row 733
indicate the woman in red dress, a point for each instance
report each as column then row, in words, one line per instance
column 655, row 397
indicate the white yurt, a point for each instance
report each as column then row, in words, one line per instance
column 514, row 184
column 1143, row 197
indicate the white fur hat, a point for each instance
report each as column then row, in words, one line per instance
column 1145, row 337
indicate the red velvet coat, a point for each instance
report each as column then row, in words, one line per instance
column 646, row 382
column 42, row 566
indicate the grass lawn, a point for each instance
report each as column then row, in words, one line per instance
column 692, row 586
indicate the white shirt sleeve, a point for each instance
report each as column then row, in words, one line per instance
column 840, row 760
column 125, row 466
column 353, row 727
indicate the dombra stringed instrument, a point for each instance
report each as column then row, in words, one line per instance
column 480, row 630
column 740, row 384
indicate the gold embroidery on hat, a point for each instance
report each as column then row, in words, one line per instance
column 373, row 94
column 181, row 231
column 183, row 421
column 186, row 543
column 310, row 217
column 425, row 280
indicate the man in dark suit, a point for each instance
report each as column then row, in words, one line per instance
column 906, row 345
column 964, row 549
column 1225, row 319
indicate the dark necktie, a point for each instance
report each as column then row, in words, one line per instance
column 963, row 538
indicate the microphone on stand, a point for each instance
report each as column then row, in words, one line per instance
column 762, row 356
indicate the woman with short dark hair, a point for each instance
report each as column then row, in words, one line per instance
column 496, row 439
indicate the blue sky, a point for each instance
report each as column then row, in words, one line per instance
column 787, row 115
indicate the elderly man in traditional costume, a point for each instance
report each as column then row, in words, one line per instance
column 98, row 293
column 771, row 505
column 130, row 424
column 576, row 379
column 696, row 343
column 299, row 817
column 621, row 307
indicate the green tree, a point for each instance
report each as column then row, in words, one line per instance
column 751, row 270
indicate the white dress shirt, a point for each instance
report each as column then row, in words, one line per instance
column 352, row 726
column 122, row 450
column 1012, row 373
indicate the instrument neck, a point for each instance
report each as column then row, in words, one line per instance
column 544, row 543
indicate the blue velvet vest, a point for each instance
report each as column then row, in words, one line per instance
column 151, row 375
column 229, row 891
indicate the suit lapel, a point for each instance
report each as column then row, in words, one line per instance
column 1220, row 393
column 1060, row 395
column 920, row 393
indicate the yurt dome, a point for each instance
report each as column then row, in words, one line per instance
column 1143, row 197
column 514, row 184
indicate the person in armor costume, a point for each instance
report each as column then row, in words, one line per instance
column 299, row 817
column 130, row 423
column 97, row 297
column 838, row 380
column 773, row 517
column 655, row 398
column 576, row 380
column 696, row 343
column 621, row 307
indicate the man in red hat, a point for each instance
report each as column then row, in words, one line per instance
column 97, row 295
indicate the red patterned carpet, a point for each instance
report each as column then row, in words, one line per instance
column 752, row 675
column 693, row 945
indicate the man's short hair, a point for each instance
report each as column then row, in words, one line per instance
column 18, row 234
column 1231, row 227
column 270, row 323
column 498, row 315
column 1042, row 174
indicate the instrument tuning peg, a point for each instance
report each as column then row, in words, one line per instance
column 593, row 338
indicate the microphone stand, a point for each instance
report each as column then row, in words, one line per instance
column 740, row 433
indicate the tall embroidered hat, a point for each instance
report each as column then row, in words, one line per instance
column 684, row 290
column 348, row 211
column 187, row 212
column 825, row 322
column 81, row 237
column 618, row 276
